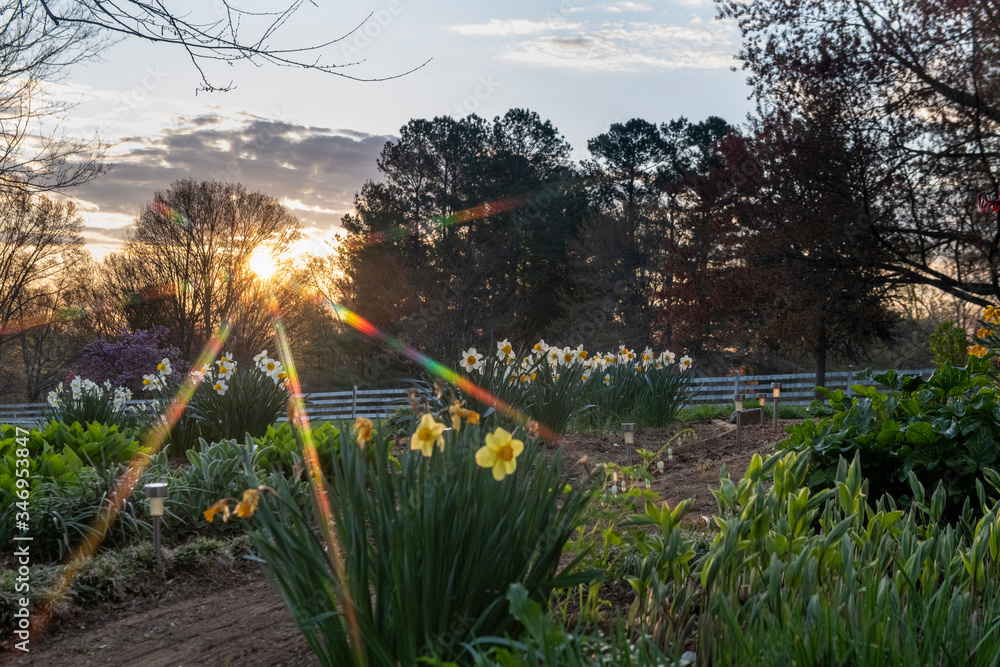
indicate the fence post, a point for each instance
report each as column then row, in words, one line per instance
column 354, row 403
column 850, row 381
column 736, row 385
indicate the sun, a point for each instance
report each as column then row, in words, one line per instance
column 263, row 263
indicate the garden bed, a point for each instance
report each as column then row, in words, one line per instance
column 231, row 615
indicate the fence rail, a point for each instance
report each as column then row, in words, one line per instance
column 796, row 389
column 321, row 406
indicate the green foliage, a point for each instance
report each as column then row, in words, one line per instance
column 798, row 575
column 548, row 644
column 251, row 404
column 87, row 403
column 950, row 344
column 279, row 448
column 430, row 548
column 650, row 399
column 944, row 430
column 69, row 466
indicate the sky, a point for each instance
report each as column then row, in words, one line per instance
column 311, row 139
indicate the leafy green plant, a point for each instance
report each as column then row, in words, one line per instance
column 251, row 404
column 798, row 575
column 279, row 448
column 429, row 548
column 87, row 402
column 950, row 344
column 944, row 429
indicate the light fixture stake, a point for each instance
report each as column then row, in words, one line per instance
column 156, row 492
column 628, row 431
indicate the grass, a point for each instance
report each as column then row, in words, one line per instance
column 707, row 412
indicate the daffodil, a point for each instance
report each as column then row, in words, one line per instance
column 607, row 379
column 978, row 350
column 363, row 430
column 553, row 355
column 568, row 356
column 471, row 360
column 149, row 382
column 540, row 347
column 53, row 399
column 458, row 413
column 220, row 506
column 259, row 358
column 500, row 453
column 246, row 507
column 505, row 352
column 992, row 314
column 164, row 367
column 983, row 333
column 686, row 361
column 220, row 386
column 428, row 434
column 580, row 352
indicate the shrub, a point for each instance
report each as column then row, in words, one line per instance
column 949, row 344
column 944, row 429
column 430, row 549
column 126, row 359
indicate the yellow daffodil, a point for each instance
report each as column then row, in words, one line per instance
column 220, row 506
column 500, row 453
column 363, row 430
column 992, row 314
column 978, row 351
column 427, row 434
column 458, row 413
column 983, row 333
column 246, row 507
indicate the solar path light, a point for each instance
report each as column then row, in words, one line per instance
column 776, row 393
column 156, row 492
column 739, row 418
column 628, row 431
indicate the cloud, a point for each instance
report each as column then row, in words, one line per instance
column 632, row 46
column 619, row 7
column 314, row 171
column 499, row 28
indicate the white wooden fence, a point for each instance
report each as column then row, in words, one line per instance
column 796, row 389
column 324, row 406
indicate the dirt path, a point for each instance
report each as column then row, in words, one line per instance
column 234, row 622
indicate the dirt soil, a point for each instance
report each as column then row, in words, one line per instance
column 236, row 618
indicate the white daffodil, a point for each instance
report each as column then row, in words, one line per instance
column 220, row 386
column 259, row 358
column 149, row 382
column 580, row 352
column 540, row 348
column 164, row 367
column 471, row 360
column 554, row 354
column 647, row 356
column 686, row 361
column 505, row 351
column 107, row 385
column 568, row 356
column 76, row 387
column 607, row 379
column 53, row 399
column 271, row 366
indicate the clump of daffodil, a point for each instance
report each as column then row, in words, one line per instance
column 500, row 453
column 458, row 413
column 978, row 350
column 428, row 433
column 244, row 508
column 992, row 314
column 363, row 430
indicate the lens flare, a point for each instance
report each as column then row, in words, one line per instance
column 126, row 484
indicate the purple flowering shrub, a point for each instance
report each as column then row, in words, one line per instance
column 126, row 359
